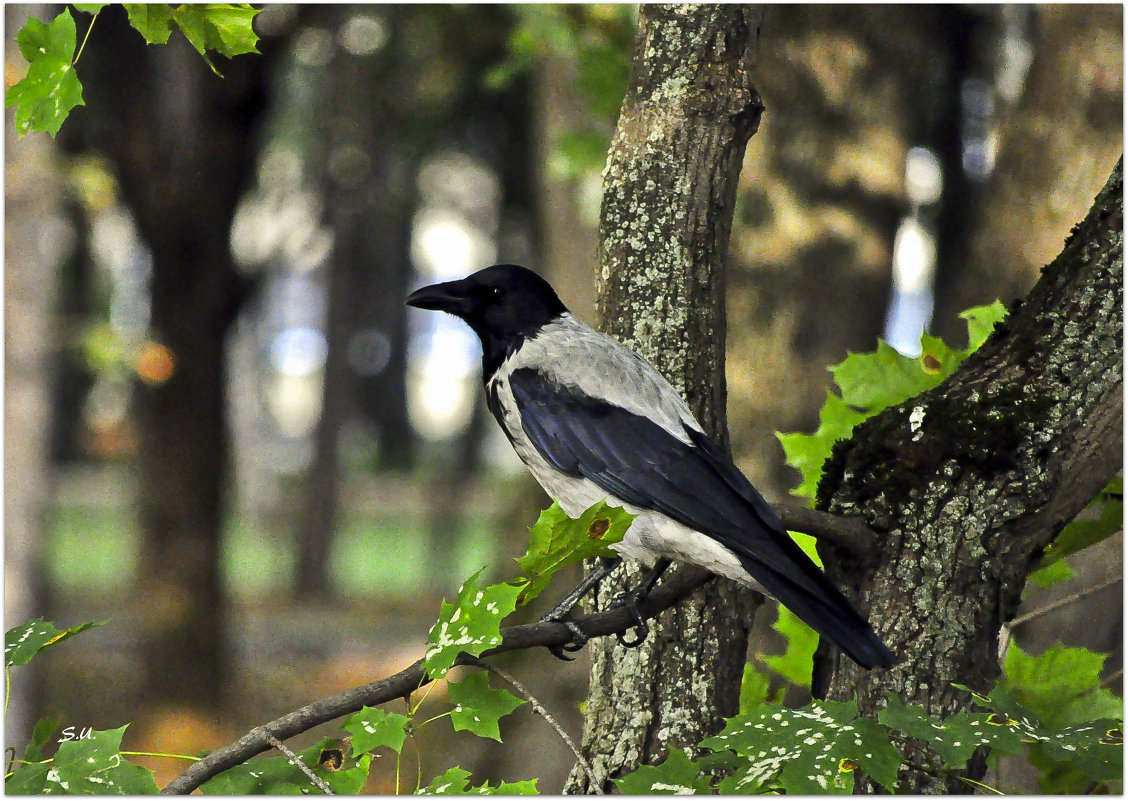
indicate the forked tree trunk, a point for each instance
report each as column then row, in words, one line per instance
column 669, row 190
column 1010, row 448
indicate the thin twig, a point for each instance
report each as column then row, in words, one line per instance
column 318, row 782
column 538, row 707
column 1077, row 596
column 1113, row 677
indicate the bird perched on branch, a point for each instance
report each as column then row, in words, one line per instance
column 592, row 420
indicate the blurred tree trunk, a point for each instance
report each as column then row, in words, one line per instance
column 387, row 110
column 367, row 172
column 34, row 234
column 568, row 237
column 1056, row 148
column 183, row 166
column 1010, row 449
column 848, row 90
column 71, row 376
column 670, row 186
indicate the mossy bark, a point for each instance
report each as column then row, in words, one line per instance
column 669, row 190
column 1021, row 437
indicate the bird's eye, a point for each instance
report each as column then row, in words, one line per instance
column 495, row 292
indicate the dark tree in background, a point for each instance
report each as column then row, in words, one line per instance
column 367, row 165
column 383, row 114
column 182, row 188
column 1057, row 141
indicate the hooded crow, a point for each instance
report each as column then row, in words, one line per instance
column 593, row 421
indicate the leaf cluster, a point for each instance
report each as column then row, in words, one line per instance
column 825, row 747
column 49, row 90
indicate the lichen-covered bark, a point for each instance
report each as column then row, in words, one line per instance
column 669, row 189
column 1010, row 449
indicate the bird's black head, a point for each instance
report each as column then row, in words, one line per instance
column 503, row 304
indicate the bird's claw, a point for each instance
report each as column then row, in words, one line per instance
column 579, row 637
column 641, row 628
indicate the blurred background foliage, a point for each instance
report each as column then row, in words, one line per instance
column 226, row 434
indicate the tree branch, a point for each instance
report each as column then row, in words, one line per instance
column 850, row 533
column 672, row 589
column 845, row 532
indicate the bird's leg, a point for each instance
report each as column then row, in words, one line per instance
column 563, row 611
column 631, row 598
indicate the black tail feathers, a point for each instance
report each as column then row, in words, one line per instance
column 834, row 617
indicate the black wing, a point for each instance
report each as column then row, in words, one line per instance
column 694, row 483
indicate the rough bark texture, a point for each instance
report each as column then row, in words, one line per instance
column 1010, row 449
column 669, row 189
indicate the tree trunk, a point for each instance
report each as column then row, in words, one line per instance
column 183, row 151
column 1011, row 447
column 669, row 190
column 34, row 239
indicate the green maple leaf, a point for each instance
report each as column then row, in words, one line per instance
column 1062, row 685
column 808, row 452
column 956, row 738
column 981, row 321
column 40, row 736
column 152, row 20
column 95, row 766
column 471, row 624
column 23, row 642
column 223, row 27
column 477, row 708
column 371, row 728
column 815, row 749
column 456, row 781
column 796, row 663
column 34, row 779
column 45, row 96
column 1095, row 749
column 677, row 775
column 556, row 541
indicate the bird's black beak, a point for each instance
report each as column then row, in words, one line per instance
column 449, row 297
